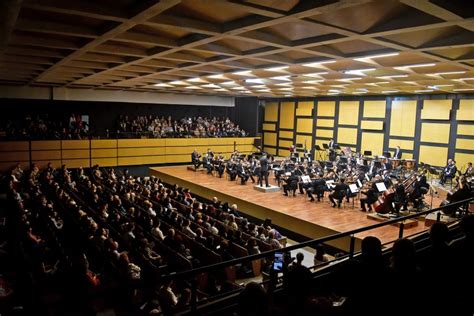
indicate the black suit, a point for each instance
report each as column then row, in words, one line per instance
column 263, row 172
column 397, row 154
column 339, row 193
column 195, row 159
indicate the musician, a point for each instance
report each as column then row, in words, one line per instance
column 243, row 175
column 195, row 159
column 231, row 170
column 386, row 165
column 263, row 171
column 318, row 186
column 449, row 171
column 206, row 163
column 398, row 153
column 469, row 171
column 340, row 191
column 332, row 150
column 420, row 188
column 332, row 144
column 291, row 183
column 371, row 196
column 210, row 153
column 219, row 164
column 400, row 198
column 464, row 192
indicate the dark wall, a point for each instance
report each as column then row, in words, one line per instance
column 103, row 115
column 247, row 114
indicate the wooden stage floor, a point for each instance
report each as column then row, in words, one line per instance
column 310, row 219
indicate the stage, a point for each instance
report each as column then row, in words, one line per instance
column 310, row 219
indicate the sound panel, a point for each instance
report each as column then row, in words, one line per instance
column 325, row 123
column 304, row 125
column 372, row 125
column 435, row 133
column 347, row 135
column 374, row 109
column 436, row 109
column 287, row 115
column 271, row 112
column 305, row 108
column 433, row 155
column 372, row 142
column 326, row 108
column 348, row 113
column 403, row 118
column 466, row 130
column 466, row 110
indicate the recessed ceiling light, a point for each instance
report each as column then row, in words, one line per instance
column 242, row 73
column 288, row 95
column 436, row 87
column 218, row 76
column 359, row 72
column 349, row 79
column 284, row 84
column 263, row 90
column 362, row 89
column 178, row 82
column 317, row 64
column 376, row 56
column 334, row 91
column 277, row 68
column 465, row 79
column 284, row 78
column 194, row 87
column 220, row 89
column 195, row 80
column 260, row 86
column 211, row 85
column 239, row 88
column 392, row 76
column 390, row 91
column 415, row 66
column 255, row 80
column 313, row 81
column 426, row 90
column 285, row 88
column 316, row 74
column 359, row 92
column 228, row 82
column 162, row 85
column 309, row 88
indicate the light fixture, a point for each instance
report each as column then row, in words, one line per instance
column 316, row 74
column 162, row 85
column 195, row 80
column 362, row 89
column 465, row 79
column 254, row 80
column 285, row 89
column 228, row 82
column 426, row 90
column 309, row 88
column 463, row 89
column 218, row 76
column 446, row 73
column 313, row 81
column 390, row 91
column 264, row 90
column 178, row 82
column 277, row 68
column 376, row 56
column 415, row 66
column 283, row 84
column 349, row 79
column 316, row 64
column 220, row 89
column 359, row 72
column 436, row 87
column 242, row 73
column 359, row 92
column 211, row 85
column 334, row 91
column 288, row 95
column 238, row 88
column 392, row 76
column 284, row 78
column 194, row 87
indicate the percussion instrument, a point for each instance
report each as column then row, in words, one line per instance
column 395, row 163
column 409, row 164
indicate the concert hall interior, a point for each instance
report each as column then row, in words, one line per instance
column 236, row 157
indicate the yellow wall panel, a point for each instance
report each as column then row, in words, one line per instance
column 372, row 142
column 325, row 123
column 324, row 133
column 270, row 139
column 75, row 153
column 44, row 163
column 466, row 129
column 183, row 150
column 287, row 115
column 239, row 140
column 271, row 151
column 75, row 144
column 177, row 159
column 46, row 155
column 14, row 156
column 304, row 125
column 104, row 143
column 45, row 144
column 466, row 110
column 465, row 144
column 271, row 112
column 406, row 155
column 76, row 163
column 435, row 133
column 286, row 134
column 462, row 159
column 304, row 140
column 283, row 152
column 106, row 162
column 404, row 144
column 349, row 112
column 305, row 108
column 326, row 108
column 375, row 109
column 268, row 126
column 347, row 135
column 436, row 109
column 14, row 146
column 432, row 155
column 403, row 118
column 372, row 125
column 285, row 144
column 150, row 142
column 111, row 152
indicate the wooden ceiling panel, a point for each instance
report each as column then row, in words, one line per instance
column 419, row 38
column 296, row 30
column 214, row 11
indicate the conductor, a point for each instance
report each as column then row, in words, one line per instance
column 263, row 171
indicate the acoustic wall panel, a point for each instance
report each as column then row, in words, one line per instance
column 45, row 145
column 374, row 109
column 435, row 133
column 347, row 135
column 287, row 115
column 304, row 140
column 372, row 142
column 75, row 144
column 285, row 144
column 464, row 129
column 104, row 143
column 325, row 123
column 305, row 108
column 270, row 139
column 14, row 146
column 286, row 134
column 304, row 125
column 433, row 155
column 268, row 127
column 462, row 159
column 404, row 144
column 372, row 125
column 466, row 110
column 403, row 118
column 271, row 112
column 467, row 144
column 326, row 108
column 75, row 154
column 324, row 133
column 349, row 112
column 271, row 151
column 436, row 109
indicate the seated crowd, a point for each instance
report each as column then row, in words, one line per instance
column 161, row 127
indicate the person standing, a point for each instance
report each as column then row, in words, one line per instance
column 263, row 171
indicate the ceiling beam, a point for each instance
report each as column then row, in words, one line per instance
column 9, row 10
column 52, row 27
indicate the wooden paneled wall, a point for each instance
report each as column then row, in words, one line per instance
column 428, row 130
column 113, row 152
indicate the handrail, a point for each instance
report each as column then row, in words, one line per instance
column 193, row 272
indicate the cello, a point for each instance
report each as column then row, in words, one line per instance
column 384, row 203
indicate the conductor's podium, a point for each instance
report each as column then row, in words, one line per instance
column 264, row 189
column 385, row 217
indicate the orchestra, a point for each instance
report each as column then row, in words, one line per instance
column 381, row 184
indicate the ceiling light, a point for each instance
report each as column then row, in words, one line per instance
column 283, row 84
column 382, row 82
column 162, row 85
column 277, row 68
column 436, row 87
column 446, row 73
column 359, row 72
column 410, row 82
column 359, row 92
column 421, row 91
column 334, row 91
column 362, row 89
column 317, row 64
column 194, row 87
column 349, row 79
column 284, row 78
column 392, row 76
column 464, row 89
column 310, row 88
column 376, row 56
column 313, row 81
column 228, row 82
column 264, row 90
column 239, row 88
column 471, row 78
column 195, row 80
column 285, row 89
column 316, row 74
column 218, row 76
column 221, row 89
column 178, row 82
column 415, row 66
column 390, row 91
column 245, row 91
column 211, row 85
column 260, row 86
column 256, row 80
column 243, row 73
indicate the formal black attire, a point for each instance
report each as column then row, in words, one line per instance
column 263, row 171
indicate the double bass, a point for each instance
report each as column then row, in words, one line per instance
column 384, row 203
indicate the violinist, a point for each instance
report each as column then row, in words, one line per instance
column 371, row 196
column 420, row 188
column 206, row 163
column 291, row 183
column 464, row 192
column 340, row 191
column 469, row 170
column 449, row 171
column 219, row 165
column 195, row 159
column 241, row 172
column 318, row 186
